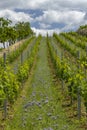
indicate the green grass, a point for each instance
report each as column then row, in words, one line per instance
column 40, row 109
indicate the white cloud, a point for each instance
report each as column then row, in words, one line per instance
column 44, row 4
column 49, row 16
column 44, row 26
column 15, row 16
column 71, row 13
column 45, row 31
column 11, row 4
column 67, row 17
column 35, row 4
column 32, row 4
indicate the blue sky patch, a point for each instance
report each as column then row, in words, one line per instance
column 35, row 13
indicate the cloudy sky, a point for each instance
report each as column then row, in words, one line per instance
column 46, row 15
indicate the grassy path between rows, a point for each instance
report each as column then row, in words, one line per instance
column 40, row 108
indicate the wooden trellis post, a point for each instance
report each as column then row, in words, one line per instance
column 78, row 93
column 86, row 67
column 62, row 81
column 5, row 100
column 21, row 58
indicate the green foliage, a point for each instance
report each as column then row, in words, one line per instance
column 83, row 26
column 23, row 29
column 74, row 77
column 2, row 94
column 25, row 68
column 9, row 82
column 84, row 93
column 82, row 30
column 4, row 26
column 9, row 85
column 14, row 54
column 70, row 47
column 78, row 42
column 23, row 72
column 9, row 33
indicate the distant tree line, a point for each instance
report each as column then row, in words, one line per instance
column 82, row 30
column 9, row 33
column 83, row 26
